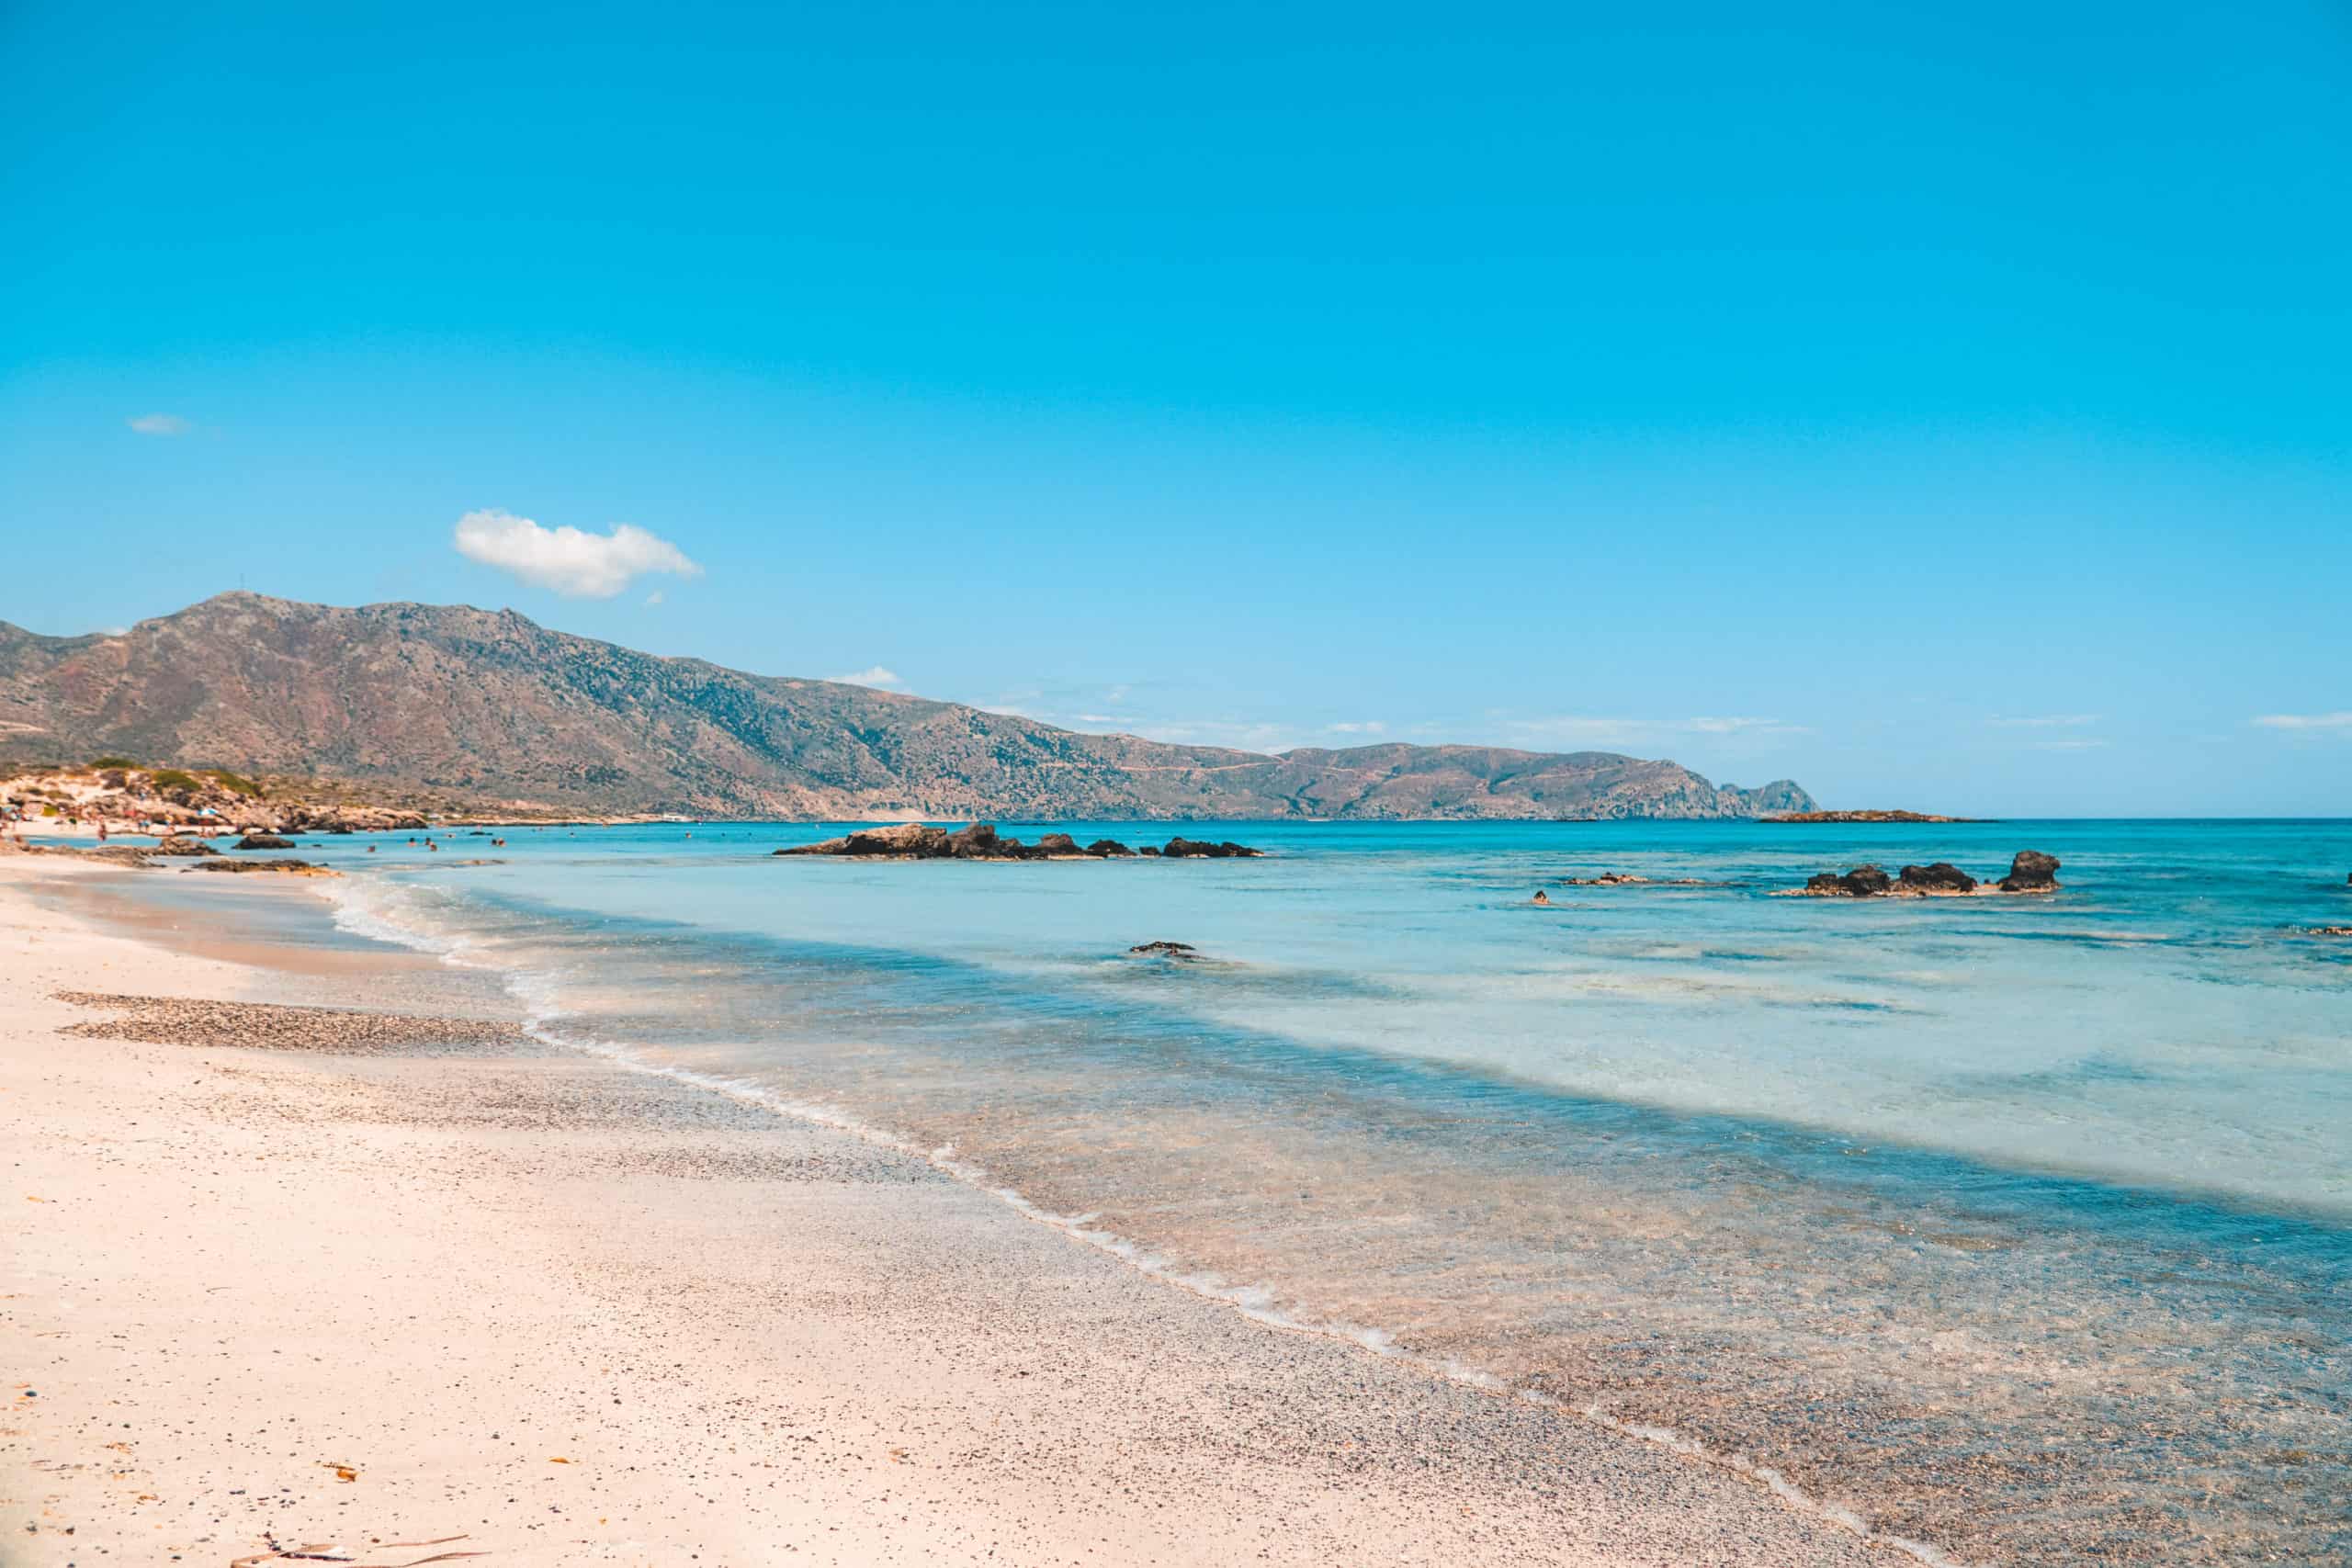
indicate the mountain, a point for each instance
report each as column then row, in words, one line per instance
column 494, row 709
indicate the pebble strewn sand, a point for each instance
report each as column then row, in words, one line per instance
column 267, row 1026
column 574, row 1314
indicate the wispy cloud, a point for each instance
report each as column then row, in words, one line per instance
column 159, row 424
column 873, row 675
column 2046, row 721
column 2086, row 744
column 566, row 561
column 1361, row 727
column 2305, row 721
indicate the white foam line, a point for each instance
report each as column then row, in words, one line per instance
column 1253, row 1302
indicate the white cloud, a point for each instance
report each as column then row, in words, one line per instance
column 576, row 565
column 2305, row 721
column 1365, row 726
column 2047, row 721
column 2087, row 745
column 114, row 631
column 874, row 675
column 160, row 425
column 653, row 598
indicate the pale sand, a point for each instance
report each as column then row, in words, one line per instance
column 226, row 1269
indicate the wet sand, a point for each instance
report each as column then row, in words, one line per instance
column 374, row 1284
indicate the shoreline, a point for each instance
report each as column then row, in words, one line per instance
column 748, row 1338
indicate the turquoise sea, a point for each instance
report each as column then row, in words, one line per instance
column 2017, row 1229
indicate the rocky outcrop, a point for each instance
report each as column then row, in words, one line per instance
column 980, row 841
column 497, row 717
column 184, row 847
column 1182, row 952
column 2031, row 872
column 350, row 819
column 264, row 841
column 1179, row 849
column 1863, row 882
column 1865, row 816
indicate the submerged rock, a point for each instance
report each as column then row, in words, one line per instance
column 2031, row 872
column 1177, row 950
column 1942, row 878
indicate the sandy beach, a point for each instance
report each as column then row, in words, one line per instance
column 275, row 1279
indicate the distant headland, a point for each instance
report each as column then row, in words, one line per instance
column 490, row 715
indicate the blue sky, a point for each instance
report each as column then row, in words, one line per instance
column 1950, row 411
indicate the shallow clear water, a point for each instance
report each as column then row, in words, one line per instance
column 2019, row 1228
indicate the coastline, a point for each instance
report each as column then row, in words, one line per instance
column 747, row 1339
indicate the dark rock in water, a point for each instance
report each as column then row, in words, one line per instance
column 2031, row 871
column 264, row 841
column 1182, row 950
column 905, row 838
column 979, row 841
column 1605, row 879
column 184, row 847
column 1863, row 882
column 1942, row 878
column 974, row 841
column 1202, row 847
column 1148, row 850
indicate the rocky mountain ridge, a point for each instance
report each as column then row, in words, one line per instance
column 488, row 708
